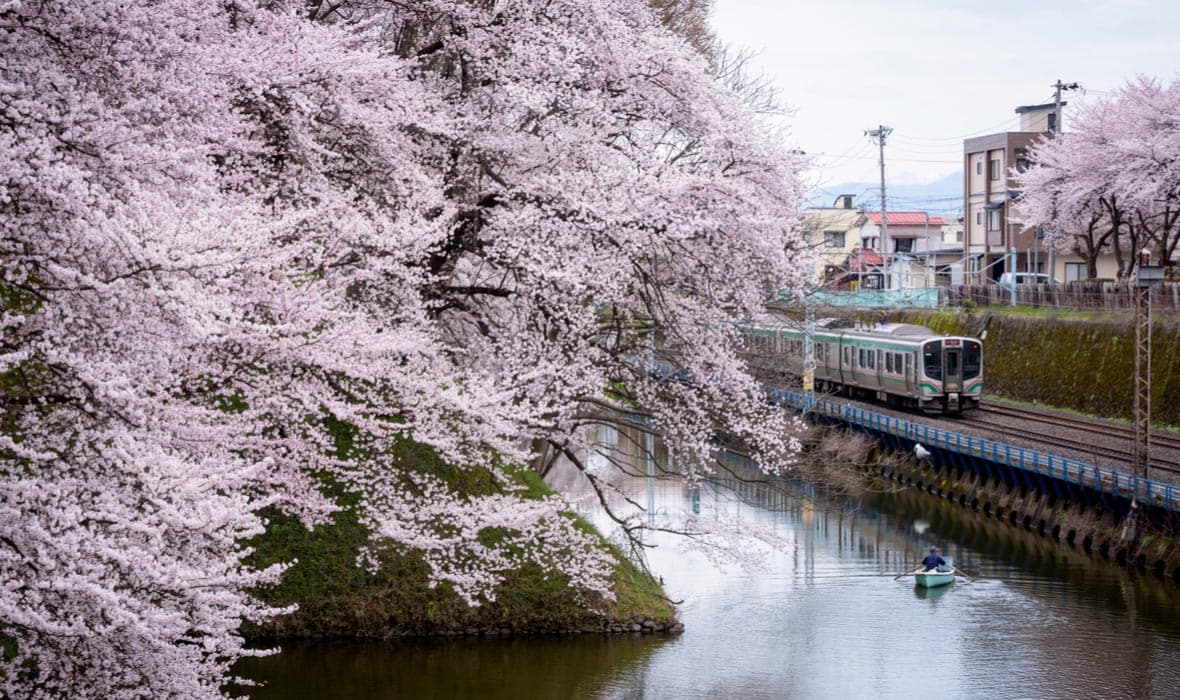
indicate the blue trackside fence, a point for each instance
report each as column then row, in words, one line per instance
column 1062, row 476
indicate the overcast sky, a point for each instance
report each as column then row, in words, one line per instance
column 937, row 71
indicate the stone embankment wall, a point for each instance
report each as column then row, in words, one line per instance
column 1088, row 528
column 1085, row 365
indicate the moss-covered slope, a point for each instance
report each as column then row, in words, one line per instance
column 1084, row 364
column 338, row 598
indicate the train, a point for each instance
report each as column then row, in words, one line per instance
column 906, row 365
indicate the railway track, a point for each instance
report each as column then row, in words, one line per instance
column 1097, row 438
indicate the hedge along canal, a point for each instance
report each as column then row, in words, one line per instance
column 823, row 618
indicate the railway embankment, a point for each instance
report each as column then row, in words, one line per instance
column 1140, row 543
column 1074, row 362
column 1069, row 360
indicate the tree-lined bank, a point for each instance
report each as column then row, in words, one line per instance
column 225, row 226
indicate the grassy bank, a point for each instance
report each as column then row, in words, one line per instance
column 337, row 598
column 1077, row 360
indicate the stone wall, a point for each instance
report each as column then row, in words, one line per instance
column 1088, row 528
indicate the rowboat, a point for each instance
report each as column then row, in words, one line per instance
column 940, row 576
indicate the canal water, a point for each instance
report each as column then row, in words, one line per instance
column 824, row 617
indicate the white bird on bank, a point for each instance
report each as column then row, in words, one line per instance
column 920, row 452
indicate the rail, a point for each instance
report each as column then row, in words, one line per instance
column 1086, row 475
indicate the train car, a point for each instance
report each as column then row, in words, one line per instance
column 903, row 364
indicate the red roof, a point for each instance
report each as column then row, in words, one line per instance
column 906, row 218
column 861, row 258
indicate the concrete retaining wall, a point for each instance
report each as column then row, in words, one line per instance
column 1091, row 529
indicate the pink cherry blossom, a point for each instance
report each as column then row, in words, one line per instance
column 1112, row 184
column 461, row 224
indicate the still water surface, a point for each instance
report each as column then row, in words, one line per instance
column 824, row 619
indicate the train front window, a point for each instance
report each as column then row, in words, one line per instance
column 932, row 359
column 972, row 359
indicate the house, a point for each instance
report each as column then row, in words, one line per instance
column 907, row 231
column 862, row 268
column 918, row 255
column 833, row 232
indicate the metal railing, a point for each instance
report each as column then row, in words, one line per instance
column 1065, row 469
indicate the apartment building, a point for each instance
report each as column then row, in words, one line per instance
column 991, row 223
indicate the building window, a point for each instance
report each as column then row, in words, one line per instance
column 993, row 168
column 1075, row 272
column 993, row 220
column 1052, row 121
column 958, row 235
column 834, row 239
column 979, row 167
column 903, row 245
column 979, row 218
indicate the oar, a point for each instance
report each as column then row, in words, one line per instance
column 962, row 573
column 907, row 573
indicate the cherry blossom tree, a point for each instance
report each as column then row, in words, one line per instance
column 1112, row 184
column 467, row 224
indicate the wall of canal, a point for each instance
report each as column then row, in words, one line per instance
column 1128, row 520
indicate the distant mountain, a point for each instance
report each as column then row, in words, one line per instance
column 943, row 197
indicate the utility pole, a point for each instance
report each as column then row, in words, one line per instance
column 1059, row 86
column 809, row 353
column 879, row 135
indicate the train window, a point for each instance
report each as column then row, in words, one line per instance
column 889, row 362
column 860, row 357
column 907, row 365
column 972, row 359
column 932, row 359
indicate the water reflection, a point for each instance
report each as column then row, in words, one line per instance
column 508, row 669
column 923, row 593
column 825, row 617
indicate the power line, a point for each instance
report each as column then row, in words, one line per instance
column 960, row 137
column 907, row 160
